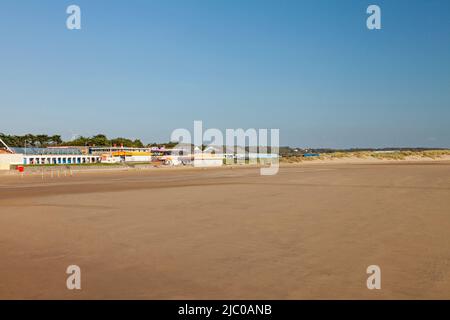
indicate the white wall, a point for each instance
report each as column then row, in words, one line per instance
column 11, row 158
column 208, row 162
column 4, row 166
column 138, row 158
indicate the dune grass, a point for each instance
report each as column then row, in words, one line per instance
column 396, row 155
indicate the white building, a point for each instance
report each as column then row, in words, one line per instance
column 37, row 159
column 45, row 156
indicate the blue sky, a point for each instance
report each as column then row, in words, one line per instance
column 141, row 69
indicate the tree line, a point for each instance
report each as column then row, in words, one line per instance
column 43, row 141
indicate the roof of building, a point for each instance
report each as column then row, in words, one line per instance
column 47, row 151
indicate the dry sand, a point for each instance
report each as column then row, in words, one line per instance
column 307, row 233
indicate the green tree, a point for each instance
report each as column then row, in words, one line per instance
column 56, row 139
column 43, row 140
column 99, row 140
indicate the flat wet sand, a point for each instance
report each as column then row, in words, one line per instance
column 309, row 232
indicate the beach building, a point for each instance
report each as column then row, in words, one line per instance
column 210, row 157
column 110, row 149
column 44, row 156
column 54, row 155
column 114, row 154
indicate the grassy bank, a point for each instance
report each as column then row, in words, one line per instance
column 396, row 155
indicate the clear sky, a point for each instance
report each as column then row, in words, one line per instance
column 141, row 69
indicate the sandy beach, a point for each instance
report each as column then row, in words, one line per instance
column 308, row 232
